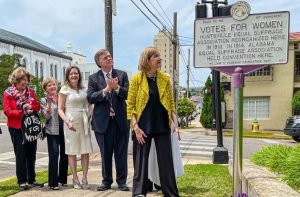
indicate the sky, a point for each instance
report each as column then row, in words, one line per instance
column 54, row 23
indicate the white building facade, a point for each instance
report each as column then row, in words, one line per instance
column 39, row 60
column 80, row 60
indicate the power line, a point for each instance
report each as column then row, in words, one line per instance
column 154, row 15
column 187, row 37
column 150, row 20
column 160, row 15
column 164, row 13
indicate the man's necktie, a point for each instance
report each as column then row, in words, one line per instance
column 110, row 96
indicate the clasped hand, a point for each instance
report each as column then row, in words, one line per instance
column 112, row 84
column 27, row 108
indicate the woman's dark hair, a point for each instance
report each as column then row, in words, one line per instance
column 67, row 82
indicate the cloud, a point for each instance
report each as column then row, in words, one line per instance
column 55, row 22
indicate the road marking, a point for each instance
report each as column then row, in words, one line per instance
column 192, row 152
column 7, row 155
column 199, row 143
column 8, row 162
column 271, row 141
column 196, row 147
column 42, row 161
column 43, row 153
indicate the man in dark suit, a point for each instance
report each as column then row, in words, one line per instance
column 107, row 90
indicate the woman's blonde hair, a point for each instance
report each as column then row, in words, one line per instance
column 17, row 75
column 67, row 82
column 147, row 53
column 47, row 81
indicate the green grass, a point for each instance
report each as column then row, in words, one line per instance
column 274, row 157
column 9, row 186
column 265, row 134
column 292, row 173
column 205, row 180
column 283, row 160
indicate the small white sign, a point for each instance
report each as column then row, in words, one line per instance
column 259, row 39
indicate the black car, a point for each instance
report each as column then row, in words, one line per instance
column 292, row 127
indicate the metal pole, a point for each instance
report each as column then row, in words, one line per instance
column 175, row 44
column 188, row 75
column 220, row 153
column 238, row 84
column 108, row 26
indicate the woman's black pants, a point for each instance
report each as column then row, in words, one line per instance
column 165, row 165
column 25, row 157
column 58, row 170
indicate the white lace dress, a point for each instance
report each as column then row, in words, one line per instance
column 77, row 142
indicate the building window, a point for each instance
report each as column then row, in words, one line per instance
column 297, row 65
column 55, row 71
column 64, row 72
column 266, row 71
column 86, row 75
column 41, row 70
column 36, row 69
column 256, row 107
column 24, row 63
column 51, row 70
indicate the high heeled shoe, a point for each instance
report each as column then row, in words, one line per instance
column 76, row 184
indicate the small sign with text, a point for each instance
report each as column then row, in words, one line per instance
column 258, row 40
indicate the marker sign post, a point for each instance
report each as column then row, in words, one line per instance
column 261, row 39
column 236, row 45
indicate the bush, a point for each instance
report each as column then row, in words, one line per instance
column 296, row 101
column 273, row 157
column 292, row 172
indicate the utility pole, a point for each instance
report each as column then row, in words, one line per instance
column 220, row 153
column 188, row 76
column 188, row 84
column 108, row 26
column 175, row 46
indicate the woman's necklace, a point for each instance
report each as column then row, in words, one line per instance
column 152, row 78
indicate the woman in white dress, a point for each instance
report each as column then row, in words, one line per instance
column 74, row 109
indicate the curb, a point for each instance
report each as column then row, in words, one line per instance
column 257, row 182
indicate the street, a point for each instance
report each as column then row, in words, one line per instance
column 191, row 145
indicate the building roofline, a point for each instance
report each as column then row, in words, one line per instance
column 35, row 44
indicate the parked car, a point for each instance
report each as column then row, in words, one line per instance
column 292, row 127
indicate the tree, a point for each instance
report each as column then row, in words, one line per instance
column 206, row 112
column 7, row 65
column 296, row 103
column 206, row 116
column 185, row 108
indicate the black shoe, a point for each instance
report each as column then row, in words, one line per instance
column 63, row 184
column 123, row 187
column 36, row 184
column 103, row 187
column 24, row 186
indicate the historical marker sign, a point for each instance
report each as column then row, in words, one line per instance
column 259, row 39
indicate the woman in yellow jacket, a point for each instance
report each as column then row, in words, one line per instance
column 151, row 109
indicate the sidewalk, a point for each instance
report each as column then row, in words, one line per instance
column 94, row 178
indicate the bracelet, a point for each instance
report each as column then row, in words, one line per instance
column 134, row 125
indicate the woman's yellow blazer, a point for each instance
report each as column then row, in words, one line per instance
column 138, row 94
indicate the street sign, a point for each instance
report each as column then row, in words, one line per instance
column 259, row 39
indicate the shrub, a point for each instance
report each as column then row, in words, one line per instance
column 274, row 157
column 292, row 172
